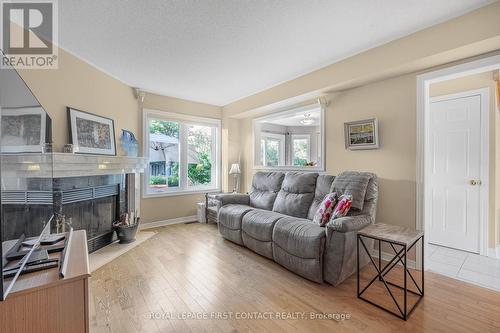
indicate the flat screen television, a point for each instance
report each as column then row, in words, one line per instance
column 26, row 169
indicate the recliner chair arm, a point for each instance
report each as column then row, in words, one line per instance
column 231, row 198
column 348, row 223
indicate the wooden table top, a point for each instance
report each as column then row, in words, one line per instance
column 392, row 233
column 78, row 268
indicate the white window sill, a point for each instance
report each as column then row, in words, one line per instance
column 180, row 192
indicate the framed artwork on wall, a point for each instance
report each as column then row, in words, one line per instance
column 25, row 129
column 90, row 133
column 362, row 134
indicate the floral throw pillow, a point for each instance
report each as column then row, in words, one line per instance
column 325, row 209
column 343, row 206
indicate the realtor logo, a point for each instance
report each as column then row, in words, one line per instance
column 29, row 34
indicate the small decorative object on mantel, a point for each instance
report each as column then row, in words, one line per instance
column 127, row 227
column 129, row 143
column 361, row 134
column 90, row 133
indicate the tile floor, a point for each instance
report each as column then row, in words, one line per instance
column 465, row 266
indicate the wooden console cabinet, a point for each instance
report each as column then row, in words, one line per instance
column 43, row 302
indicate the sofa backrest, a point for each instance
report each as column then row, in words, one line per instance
column 296, row 194
column 323, row 184
column 265, row 187
column 371, row 199
column 354, row 183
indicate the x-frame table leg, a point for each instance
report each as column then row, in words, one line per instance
column 399, row 257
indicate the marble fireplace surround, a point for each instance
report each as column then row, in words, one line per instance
column 30, row 173
column 61, row 165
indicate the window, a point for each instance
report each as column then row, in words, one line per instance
column 272, row 148
column 301, row 150
column 183, row 153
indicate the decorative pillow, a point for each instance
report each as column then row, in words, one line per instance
column 343, row 206
column 325, row 209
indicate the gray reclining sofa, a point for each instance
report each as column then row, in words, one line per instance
column 275, row 221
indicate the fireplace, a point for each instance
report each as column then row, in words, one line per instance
column 92, row 203
column 92, row 191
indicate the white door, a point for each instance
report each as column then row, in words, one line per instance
column 453, row 194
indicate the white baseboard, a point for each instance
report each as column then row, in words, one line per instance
column 494, row 252
column 163, row 223
column 388, row 256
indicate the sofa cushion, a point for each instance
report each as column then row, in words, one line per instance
column 264, row 248
column 323, row 184
column 259, row 224
column 296, row 194
column 299, row 237
column 265, row 186
column 371, row 198
column 309, row 268
column 231, row 215
column 234, row 235
column 354, row 183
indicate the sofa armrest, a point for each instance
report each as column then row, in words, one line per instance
column 349, row 223
column 231, row 198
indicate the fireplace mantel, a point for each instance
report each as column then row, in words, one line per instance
column 60, row 165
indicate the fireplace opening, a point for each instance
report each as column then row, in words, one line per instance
column 91, row 203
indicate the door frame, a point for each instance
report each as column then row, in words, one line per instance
column 423, row 108
column 484, row 170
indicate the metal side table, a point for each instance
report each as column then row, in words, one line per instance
column 395, row 236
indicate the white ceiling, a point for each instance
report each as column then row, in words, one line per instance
column 218, row 51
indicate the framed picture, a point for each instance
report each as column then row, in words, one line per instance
column 361, row 134
column 25, row 129
column 90, row 133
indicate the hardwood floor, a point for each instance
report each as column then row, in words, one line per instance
column 189, row 269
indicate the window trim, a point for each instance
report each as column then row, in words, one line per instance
column 148, row 114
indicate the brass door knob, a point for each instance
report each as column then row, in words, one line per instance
column 474, row 182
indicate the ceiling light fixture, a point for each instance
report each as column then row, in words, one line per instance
column 307, row 120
